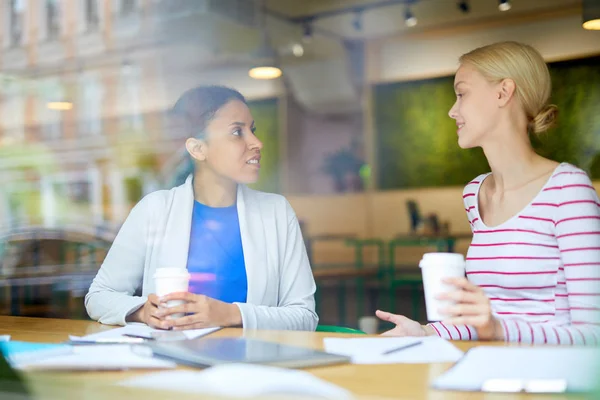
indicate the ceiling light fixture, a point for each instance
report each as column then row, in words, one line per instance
column 307, row 31
column 265, row 64
column 504, row 5
column 591, row 15
column 409, row 18
column 357, row 21
column 266, row 58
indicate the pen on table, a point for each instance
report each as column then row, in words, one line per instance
column 406, row 346
column 116, row 340
column 138, row 336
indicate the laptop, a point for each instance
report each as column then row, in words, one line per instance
column 206, row 352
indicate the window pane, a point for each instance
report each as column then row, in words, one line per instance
column 53, row 18
column 16, row 21
column 127, row 7
column 91, row 14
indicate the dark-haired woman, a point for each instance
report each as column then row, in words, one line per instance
column 243, row 248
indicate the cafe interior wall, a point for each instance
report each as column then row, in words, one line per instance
column 419, row 59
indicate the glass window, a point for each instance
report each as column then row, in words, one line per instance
column 53, row 19
column 17, row 19
column 129, row 97
column 13, row 110
column 127, row 7
column 51, row 121
column 91, row 15
column 91, row 95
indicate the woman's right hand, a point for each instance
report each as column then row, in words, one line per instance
column 404, row 326
column 148, row 314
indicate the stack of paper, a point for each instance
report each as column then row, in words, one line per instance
column 23, row 355
column 140, row 330
column 430, row 349
column 529, row 369
column 250, row 381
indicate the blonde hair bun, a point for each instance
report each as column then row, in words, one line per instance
column 544, row 119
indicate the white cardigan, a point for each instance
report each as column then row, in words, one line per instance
column 156, row 234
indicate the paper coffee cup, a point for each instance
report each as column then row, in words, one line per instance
column 435, row 267
column 171, row 280
column 368, row 324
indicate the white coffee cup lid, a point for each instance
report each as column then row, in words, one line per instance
column 166, row 272
column 443, row 260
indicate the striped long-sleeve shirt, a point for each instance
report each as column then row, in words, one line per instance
column 541, row 268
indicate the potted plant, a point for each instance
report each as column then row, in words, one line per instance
column 344, row 167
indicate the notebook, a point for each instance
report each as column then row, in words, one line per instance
column 20, row 352
column 543, row 369
column 214, row 351
column 379, row 350
column 140, row 330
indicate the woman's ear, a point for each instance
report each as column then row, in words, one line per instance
column 196, row 148
column 507, row 91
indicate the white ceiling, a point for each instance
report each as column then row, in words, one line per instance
column 389, row 20
column 231, row 43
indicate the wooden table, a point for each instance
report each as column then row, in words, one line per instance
column 406, row 381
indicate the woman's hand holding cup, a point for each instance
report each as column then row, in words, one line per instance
column 173, row 307
column 149, row 314
column 470, row 306
column 200, row 312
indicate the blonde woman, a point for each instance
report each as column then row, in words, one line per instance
column 533, row 267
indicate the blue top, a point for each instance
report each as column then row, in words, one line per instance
column 216, row 257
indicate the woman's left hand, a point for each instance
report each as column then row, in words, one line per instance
column 472, row 308
column 201, row 312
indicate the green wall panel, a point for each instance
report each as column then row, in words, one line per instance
column 417, row 143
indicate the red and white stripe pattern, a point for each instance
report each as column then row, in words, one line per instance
column 541, row 268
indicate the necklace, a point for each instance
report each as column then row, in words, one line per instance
column 521, row 185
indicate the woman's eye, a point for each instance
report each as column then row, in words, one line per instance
column 237, row 132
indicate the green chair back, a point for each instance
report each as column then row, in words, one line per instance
column 338, row 329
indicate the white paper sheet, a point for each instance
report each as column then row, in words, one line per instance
column 433, row 349
column 533, row 369
column 100, row 357
column 4, row 338
column 140, row 330
column 250, row 381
